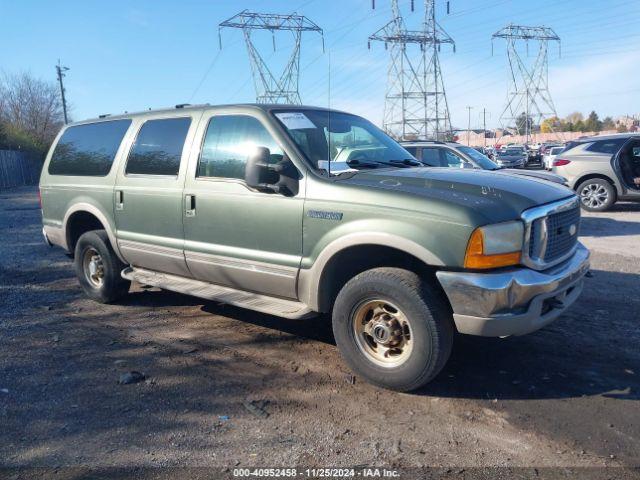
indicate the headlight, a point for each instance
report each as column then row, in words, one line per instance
column 493, row 246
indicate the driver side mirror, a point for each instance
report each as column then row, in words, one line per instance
column 281, row 177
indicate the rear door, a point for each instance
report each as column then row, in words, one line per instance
column 147, row 199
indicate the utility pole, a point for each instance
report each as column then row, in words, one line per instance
column 469, row 127
column 61, row 69
column 415, row 102
column 484, row 126
column 526, row 120
column 273, row 87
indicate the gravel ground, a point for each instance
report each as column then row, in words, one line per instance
column 227, row 387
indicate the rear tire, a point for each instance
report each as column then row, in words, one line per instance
column 392, row 328
column 98, row 268
column 596, row 195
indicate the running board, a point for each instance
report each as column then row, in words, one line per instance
column 239, row 298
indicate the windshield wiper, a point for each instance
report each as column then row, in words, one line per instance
column 410, row 162
column 405, row 163
column 361, row 164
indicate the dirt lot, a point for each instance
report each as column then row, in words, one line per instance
column 567, row 395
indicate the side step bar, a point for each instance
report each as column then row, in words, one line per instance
column 239, row 298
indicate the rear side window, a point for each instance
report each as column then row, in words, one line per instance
column 607, row 146
column 88, row 150
column 158, row 147
column 229, row 141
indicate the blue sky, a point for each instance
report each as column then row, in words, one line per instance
column 133, row 55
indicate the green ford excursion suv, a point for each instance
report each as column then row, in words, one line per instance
column 295, row 211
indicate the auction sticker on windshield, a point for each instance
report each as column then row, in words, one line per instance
column 295, row 120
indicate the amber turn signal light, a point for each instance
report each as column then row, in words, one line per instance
column 476, row 258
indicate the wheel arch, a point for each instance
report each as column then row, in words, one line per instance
column 601, row 176
column 82, row 218
column 346, row 257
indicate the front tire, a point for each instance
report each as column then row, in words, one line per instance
column 596, row 195
column 392, row 328
column 98, row 268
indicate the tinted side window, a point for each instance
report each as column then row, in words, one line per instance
column 452, row 160
column 158, row 147
column 229, row 141
column 431, row 156
column 88, row 150
column 412, row 150
column 607, row 146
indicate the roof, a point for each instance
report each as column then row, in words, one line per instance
column 201, row 107
column 612, row 136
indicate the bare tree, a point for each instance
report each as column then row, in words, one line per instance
column 30, row 109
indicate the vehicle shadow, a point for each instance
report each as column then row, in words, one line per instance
column 607, row 226
column 316, row 328
column 590, row 350
column 585, row 352
column 625, row 207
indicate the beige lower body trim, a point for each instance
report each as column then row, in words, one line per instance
column 243, row 274
column 56, row 236
column 155, row 257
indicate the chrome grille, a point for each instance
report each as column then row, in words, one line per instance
column 555, row 235
column 548, row 236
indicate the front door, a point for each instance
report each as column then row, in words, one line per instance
column 148, row 195
column 236, row 236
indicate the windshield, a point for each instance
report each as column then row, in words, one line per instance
column 340, row 141
column 481, row 160
column 514, row 151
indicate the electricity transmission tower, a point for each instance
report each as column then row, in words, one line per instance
column 272, row 88
column 415, row 102
column 529, row 91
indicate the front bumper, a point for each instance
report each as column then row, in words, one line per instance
column 515, row 301
column 511, row 164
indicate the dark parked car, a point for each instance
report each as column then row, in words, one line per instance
column 514, row 157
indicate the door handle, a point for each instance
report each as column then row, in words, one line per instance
column 190, row 205
column 119, row 200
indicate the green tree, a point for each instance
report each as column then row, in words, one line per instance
column 608, row 123
column 593, row 123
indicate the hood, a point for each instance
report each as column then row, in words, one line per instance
column 551, row 177
column 495, row 196
column 510, row 158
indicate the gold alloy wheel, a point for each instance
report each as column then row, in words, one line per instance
column 382, row 332
column 93, row 267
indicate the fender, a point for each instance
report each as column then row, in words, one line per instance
column 95, row 211
column 309, row 279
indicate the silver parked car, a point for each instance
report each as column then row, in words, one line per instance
column 602, row 169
